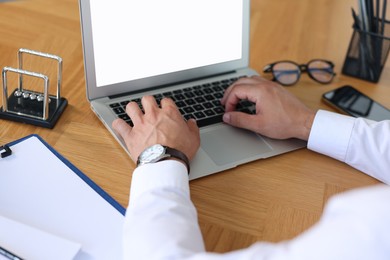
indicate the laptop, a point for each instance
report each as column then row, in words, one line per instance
column 187, row 50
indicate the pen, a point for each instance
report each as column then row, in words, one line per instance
column 383, row 16
column 8, row 254
column 356, row 20
column 370, row 14
column 377, row 16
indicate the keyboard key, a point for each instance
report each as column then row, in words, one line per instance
column 198, row 107
column 130, row 123
column 219, row 110
column 209, row 97
column 217, row 89
column 118, row 110
column 246, row 103
column 190, row 102
column 209, row 112
column 246, row 110
column 207, row 105
column 208, row 90
column 180, row 104
column 179, row 97
column 189, row 116
column 124, row 117
column 188, row 110
column 189, row 94
column 115, row 105
column 198, row 93
column 200, row 100
column 209, row 121
column 218, row 95
column 216, row 103
column 158, row 101
column 199, row 115
column 124, row 103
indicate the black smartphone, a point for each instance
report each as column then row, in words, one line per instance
column 352, row 102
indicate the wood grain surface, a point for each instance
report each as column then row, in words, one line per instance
column 270, row 200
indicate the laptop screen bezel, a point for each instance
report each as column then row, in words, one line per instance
column 95, row 92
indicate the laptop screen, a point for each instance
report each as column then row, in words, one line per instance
column 141, row 39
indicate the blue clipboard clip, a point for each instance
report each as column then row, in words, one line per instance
column 5, row 151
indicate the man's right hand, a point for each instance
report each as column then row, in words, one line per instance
column 279, row 114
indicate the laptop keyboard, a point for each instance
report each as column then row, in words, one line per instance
column 201, row 102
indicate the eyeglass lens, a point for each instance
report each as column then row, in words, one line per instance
column 321, row 71
column 288, row 73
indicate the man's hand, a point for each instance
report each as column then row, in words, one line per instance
column 279, row 114
column 163, row 125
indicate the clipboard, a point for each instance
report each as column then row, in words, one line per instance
column 40, row 188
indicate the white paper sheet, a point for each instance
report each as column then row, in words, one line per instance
column 32, row 243
column 39, row 190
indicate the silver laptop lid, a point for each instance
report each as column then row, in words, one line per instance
column 134, row 45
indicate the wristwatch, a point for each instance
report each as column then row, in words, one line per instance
column 158, row 152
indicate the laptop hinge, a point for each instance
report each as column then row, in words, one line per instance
column 167, row 85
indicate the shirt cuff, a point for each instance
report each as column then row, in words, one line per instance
column 168, row 173
column 330, row 134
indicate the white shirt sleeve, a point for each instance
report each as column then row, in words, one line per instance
column 161, row 221
column 361, row 143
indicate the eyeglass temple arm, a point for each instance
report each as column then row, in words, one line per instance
column 267, row 68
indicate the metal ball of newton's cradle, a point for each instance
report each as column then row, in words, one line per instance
column 18, row 93
column 32, row 96
column 40, row 98
column 25, row 95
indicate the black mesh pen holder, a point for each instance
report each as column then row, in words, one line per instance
column 367, row 54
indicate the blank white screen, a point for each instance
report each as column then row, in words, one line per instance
column 142, row 38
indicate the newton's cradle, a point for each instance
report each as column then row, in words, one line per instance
column 28, row 106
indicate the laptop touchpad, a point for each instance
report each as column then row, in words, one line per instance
column 228, row 144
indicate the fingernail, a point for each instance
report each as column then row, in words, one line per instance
column 226, row 118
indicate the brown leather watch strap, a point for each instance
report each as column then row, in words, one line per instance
column 179, row 155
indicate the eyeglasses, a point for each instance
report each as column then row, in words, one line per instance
column 288, row 72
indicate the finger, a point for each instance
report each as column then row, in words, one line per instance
column 226, row 94
column 241, row 120
column 241, row 81
column 149, row 104
column 166, row 102
column 134, row 112
column 192, row 125
column 122, row 128
column 169, row 104
column 195, row 143
column 239, row 92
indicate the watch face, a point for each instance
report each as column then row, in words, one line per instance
column 152, row 153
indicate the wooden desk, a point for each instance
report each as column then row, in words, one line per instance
column 269, row 200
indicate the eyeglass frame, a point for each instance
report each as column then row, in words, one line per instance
column 302, row 69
